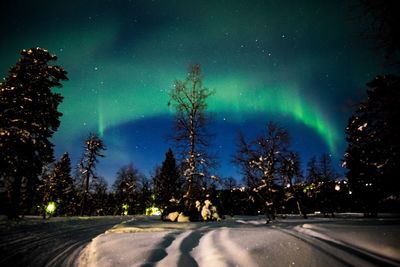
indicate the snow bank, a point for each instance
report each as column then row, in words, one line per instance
column 121, row 249
column 383, row 242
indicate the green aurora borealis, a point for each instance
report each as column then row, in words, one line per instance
column 299, row 63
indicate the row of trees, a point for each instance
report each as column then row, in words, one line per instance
column 86, row 193
column 133, row 193
column 33, row 179
column 29, row 117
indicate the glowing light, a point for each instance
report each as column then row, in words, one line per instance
column 125, row 208
column 153, row 211
column 337, row 187
column 51, row 208
column 100, row 117
column 119, row 103
column 277, row 100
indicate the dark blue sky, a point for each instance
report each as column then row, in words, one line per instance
column 299, row 63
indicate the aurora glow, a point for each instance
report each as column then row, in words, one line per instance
column 299, row 63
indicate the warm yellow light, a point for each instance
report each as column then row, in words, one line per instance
column 153, row 211
column 51, row 207
column 125, row 208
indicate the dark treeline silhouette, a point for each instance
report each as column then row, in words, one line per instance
column 373, row 134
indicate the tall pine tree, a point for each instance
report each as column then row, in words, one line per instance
column 373, row 153
column 29, row 117
column 57, row 186
column 167, row 182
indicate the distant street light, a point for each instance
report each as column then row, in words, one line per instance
column 51, row 208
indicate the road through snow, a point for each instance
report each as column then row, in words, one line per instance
column 54, row 242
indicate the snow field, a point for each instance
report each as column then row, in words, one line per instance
column 243, row 241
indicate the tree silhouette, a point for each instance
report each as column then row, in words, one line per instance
column 373, row 153
column 291, row 168
column 313, row 173
column 99, row 196
column 57, row 186
column 29, row 117
column 265, row 157
column 189, row 100
column 326, row 170
column 93, row 149
column 242, row 158
column 167, row 182
column 126, row 188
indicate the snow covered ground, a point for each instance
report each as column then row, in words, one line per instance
column 58, row 241
column 247, row 241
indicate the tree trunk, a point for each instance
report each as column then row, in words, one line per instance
column 15, row 198
column 85, row 193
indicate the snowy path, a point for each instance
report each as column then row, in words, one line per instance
column 49, row 243
column 245, row 242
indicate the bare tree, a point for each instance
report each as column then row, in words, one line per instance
column 189, row 100
column 242, row 158
column 262, row 159
column 327, row 171
column 126, row 188
column 290, row 168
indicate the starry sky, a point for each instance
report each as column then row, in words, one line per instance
column 303, row 64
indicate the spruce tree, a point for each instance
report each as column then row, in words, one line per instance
column 373, row 152
column 29, row 117
column 167, row 183
column 66, row 193
column 56, row 185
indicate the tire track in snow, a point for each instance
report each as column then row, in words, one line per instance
column 50, row 244
column 217, row 248
column 178, row 253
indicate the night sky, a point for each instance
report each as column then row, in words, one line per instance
column 303, row 64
